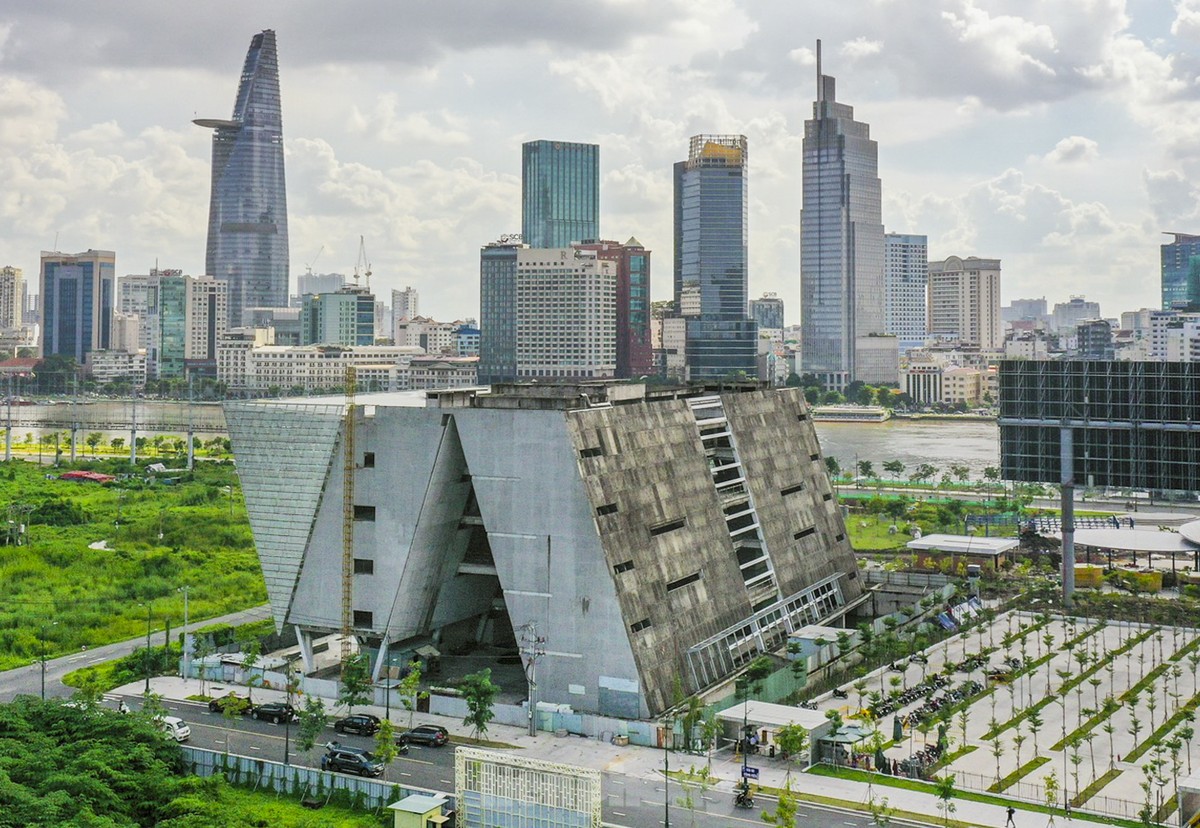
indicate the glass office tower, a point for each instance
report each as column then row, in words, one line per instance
column 1181, row 272
column 247, row 214
column 560, row 193
column 498, row 311
column 77, row 293
column 712, row 255
column 841, row 243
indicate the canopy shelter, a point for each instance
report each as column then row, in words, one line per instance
column 986, row 552
column 1150, row 541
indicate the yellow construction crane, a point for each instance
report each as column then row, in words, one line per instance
column 348, row 518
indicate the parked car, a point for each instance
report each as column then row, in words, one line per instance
column 239, row 704
column 275, row 712
column 351, row 760
column 362, row 723
column 426, row 734
column 174, row 727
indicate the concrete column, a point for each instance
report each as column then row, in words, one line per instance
column 191, row 449
column 1067, row 471
column 306, row 652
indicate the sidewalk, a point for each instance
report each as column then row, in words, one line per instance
column 646, row 763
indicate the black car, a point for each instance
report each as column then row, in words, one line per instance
column 431, row 735
column 232, row 701
column 362, row 723
column 351, row 760
column 275, row 712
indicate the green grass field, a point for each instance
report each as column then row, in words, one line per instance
column 83, row 596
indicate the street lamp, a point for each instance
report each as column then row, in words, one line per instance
column 149, row 605
column 43, row 659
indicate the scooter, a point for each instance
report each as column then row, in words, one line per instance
column 839, row 693
column 743, row 798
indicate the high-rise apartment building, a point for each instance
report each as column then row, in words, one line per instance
column 346, row 317
column 1024, row 309
column 712, row 255
column 842, row 248
column 560, row 193
column 906, row 273
column 247, row 214
column 77, row 302
column 964, row 301
column 1067, row 315
column 12, row 298
column 404, row 304
column 319, row 283
column 635, row 355
column 566, row 320
column 1181, row 272
column 498, row 310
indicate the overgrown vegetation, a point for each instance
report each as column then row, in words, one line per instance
column 94, row 582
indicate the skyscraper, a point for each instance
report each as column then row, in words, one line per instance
column 1181, row 272
column 404, row 304
column 346, row 317
column 247, row 214
column 841, row 248
column 560, row 193
column 906, row 273
column 767, row 311
column 498, row 310
column 711, row 255
column 12, row 298
column 77, row 302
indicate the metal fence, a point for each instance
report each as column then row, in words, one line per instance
column 908, row 579
column 295, row 780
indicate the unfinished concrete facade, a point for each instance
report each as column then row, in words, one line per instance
column 656, row 538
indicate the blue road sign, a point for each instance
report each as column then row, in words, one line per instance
column 749, row 773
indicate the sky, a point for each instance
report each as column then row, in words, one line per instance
column 1061, row 137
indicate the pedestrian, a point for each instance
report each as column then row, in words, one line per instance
column 1010, row 823
column 122, row 707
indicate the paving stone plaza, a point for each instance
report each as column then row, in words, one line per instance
column 1102, row 708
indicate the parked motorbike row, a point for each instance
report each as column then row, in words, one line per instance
column 883, row 707
column 917, row 765
column 930, row 709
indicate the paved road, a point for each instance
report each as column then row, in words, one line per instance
column 628, row 800
column 28, row 680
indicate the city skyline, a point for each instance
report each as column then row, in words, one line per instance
column 1018, row 154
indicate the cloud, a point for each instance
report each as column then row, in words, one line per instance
column 1186, row 24
column 1174, row 201
column 861, row 47
column 385, row 123
column 1072, row 150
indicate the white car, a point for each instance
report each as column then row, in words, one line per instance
column 174, row 727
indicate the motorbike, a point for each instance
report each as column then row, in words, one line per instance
column 743, row 798
column 840, row 694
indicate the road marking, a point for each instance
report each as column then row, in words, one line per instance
column 618, row 813
column 446, row 781
column 405, row 773
column 255, row 747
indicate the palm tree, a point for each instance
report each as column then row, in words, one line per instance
column 1108, row 727
column 1035, row 727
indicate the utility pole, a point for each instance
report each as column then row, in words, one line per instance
column 8, row 426
column 43, row 640
column 532, row 648
column 133, row 432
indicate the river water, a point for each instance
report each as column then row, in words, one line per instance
column 912, row 442
column 940, row 442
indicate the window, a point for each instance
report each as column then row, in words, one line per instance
column 594, row 451
column 364, row 566
column 638, row 626
column 364, row 513
column 790, row 490
column 816, row 456
column 369, row 460
column 607, row 509
column 670, row 526
column 804, row 533
column 801, row 417
column 840, row 538
column 682, row 582
column 827, row 496
column 624, row 566
column 363, row 619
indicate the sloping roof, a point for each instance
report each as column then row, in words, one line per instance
column 965, row 544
